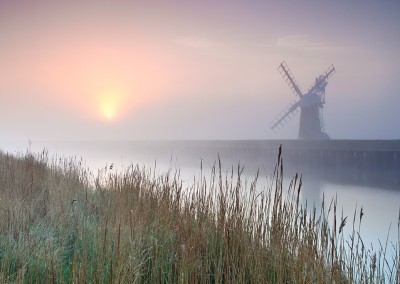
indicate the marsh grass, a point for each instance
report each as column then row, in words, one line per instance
column 61, row 224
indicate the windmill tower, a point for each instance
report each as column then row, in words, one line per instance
column 311, row 104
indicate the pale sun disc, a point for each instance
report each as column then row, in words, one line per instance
column 109, row 104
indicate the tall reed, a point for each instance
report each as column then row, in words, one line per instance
column 59, row 223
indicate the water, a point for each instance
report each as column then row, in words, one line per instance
column 380, row 200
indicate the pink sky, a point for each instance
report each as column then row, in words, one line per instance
column 193, row 69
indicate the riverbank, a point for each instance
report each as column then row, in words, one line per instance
column 60, row 222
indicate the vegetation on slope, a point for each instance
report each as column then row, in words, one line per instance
column 60, row 223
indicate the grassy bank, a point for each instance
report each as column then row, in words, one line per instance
column 60, row 223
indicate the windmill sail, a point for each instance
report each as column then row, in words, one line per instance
column 287, row 114
column 290, row 80
column 320, row 83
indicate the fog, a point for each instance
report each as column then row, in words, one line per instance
column 194, row 69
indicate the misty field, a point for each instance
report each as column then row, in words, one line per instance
column 60, row 223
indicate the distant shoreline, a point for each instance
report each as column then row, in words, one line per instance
column 333, row 144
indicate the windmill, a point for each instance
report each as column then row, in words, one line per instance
column 311, row 104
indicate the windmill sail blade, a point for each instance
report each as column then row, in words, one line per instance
column 285, row 116
column 290, row 80
column 320, row 83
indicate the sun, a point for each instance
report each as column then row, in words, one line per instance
column 110, row 103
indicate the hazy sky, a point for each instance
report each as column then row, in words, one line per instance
column 194, row 69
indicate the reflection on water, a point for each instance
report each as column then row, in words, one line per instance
column 377, row 192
